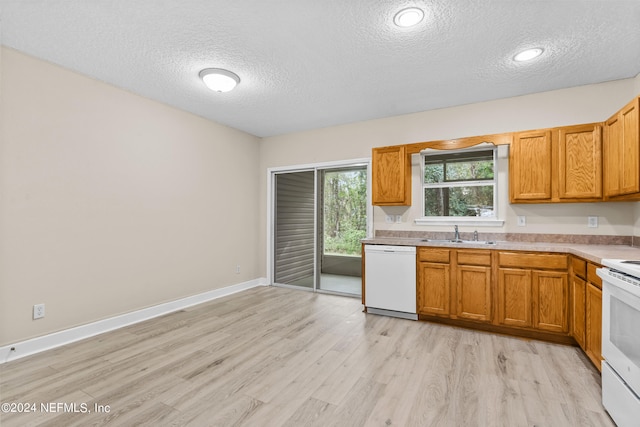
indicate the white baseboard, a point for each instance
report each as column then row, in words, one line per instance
column 35, row 345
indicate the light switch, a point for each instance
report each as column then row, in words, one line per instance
column 592, row 221
column 522, row 220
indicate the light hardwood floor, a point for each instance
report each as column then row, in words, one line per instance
column 280, row 357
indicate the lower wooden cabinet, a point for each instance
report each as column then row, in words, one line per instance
column 514, row 297
column 473, row 285
column 434, row 289
column 593, row 337
column 586, row 308
column 533, row 297
column 473, row 292
column 550, row 300
column 524, row 293
column 578, row 309
column 455, row 284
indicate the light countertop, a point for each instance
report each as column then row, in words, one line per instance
column 593, row 253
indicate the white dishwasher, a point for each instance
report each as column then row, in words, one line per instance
column 390, row 280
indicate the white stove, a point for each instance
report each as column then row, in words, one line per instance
column 621, row 340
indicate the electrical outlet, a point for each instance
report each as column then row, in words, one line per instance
column 389, row 219
column 237, row 269
column 592, row 221
column 522, row 220
column 38, row 311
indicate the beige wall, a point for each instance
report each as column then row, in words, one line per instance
column 112, row 202
column 577, row 105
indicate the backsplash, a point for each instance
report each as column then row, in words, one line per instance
column 581, row 239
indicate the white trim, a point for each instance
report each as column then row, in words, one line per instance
column 460, row 220
column 67, row 336
column 323, row 165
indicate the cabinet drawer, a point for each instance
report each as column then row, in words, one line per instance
column 433, row 255
column 579, row 267
column 592, row 277
column 528, row 260
column 474, row 258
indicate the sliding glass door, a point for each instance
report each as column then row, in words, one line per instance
column 319, row 217
column 343, row 223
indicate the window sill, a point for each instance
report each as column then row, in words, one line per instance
column 470, row 220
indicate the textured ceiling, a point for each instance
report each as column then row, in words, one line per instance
column 307, row 64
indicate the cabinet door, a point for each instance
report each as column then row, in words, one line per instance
column 612, row 156
column 580, row 162
column 593, row 337
column 578, row 310
column 514, row 297
column 433, row 293
column 550, row 297
column 391, row 176
column 630, row 178
column 530, row 166
column 622, row 151
column 473, row 286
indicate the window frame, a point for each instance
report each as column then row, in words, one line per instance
column 492, row 220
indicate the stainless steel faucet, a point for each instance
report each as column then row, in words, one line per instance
column 456, row 236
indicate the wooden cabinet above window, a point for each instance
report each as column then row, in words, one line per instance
column 391, row 166
column 557, row 165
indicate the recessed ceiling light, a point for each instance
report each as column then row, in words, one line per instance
column 408, row 17
column 529, row 54
column 219, row 80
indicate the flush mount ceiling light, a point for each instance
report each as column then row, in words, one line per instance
column 219, row 80
column 408, row 17
column 529, row 54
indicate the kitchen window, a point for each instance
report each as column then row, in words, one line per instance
column 459, row 185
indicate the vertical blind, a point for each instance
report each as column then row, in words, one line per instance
column 294, row 227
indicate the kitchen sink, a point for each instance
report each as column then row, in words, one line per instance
column 473, row 242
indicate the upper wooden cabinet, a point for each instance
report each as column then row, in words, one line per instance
column 583, row 163
column 391, row 176
column 530, row 166
column 579, row 168
column 557, row 165
column 622, row 153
